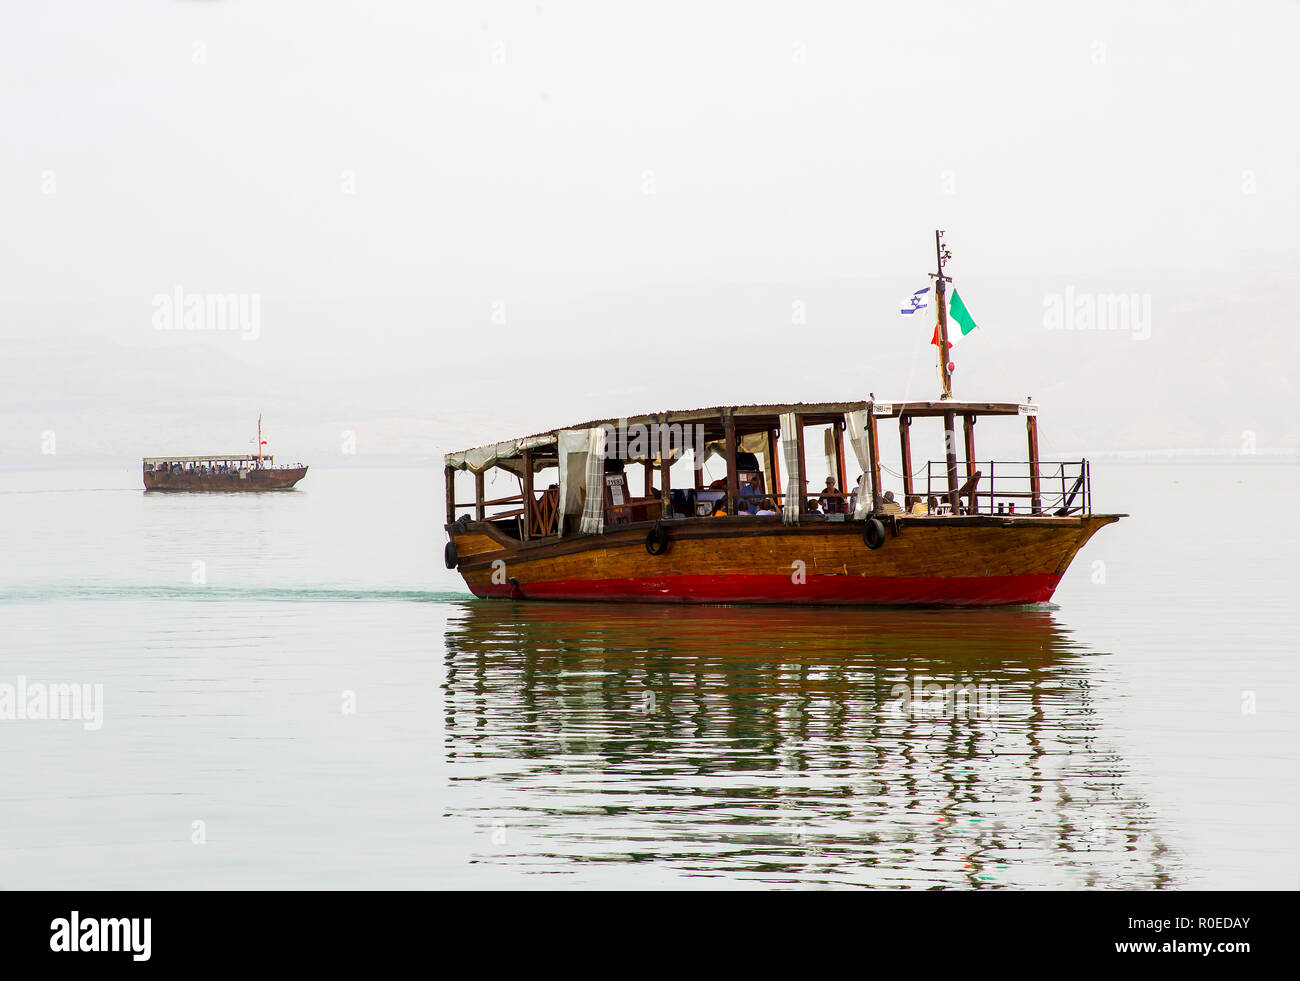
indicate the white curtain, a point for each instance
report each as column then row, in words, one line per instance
column 857, row 436
column 794, row 477
column 832, row 459
column 593, row 508
column 582, row 477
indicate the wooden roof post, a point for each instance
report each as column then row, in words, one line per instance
column 1035, row 487
column 841, row 466
column 969, row 432
column 905, row 443
column 801, row 485
column 733, row 479
column 529, row 503
column 478, row 496
column 950, row 458
column 774, row 458
column 449, row 475
column 873, row 451
column 665, row 471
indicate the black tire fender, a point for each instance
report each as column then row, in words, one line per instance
column 873, row 533
column 449, row 556
column 656, row 540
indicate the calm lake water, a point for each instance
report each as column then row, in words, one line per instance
column 297, row 694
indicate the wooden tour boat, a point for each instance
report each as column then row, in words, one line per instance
column 996, row 533
column 221, row 471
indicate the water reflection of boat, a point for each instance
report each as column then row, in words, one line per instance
column 786, row 745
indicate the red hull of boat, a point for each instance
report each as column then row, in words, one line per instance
column 821, row 590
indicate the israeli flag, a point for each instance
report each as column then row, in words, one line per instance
column 915, row 303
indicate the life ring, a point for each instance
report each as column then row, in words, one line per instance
column 656, row 540
column 873, row 533
column 449, row 555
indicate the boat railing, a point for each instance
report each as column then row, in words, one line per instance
column 499, row 502
column 1052, row 487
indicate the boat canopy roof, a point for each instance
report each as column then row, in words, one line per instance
column 746, row 418
column 209, row 458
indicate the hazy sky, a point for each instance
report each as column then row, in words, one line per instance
column 464, row 222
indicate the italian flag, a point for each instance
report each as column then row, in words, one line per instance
column 960, row 322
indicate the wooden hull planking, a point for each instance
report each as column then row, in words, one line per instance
column 965, row 561
column 256, row 480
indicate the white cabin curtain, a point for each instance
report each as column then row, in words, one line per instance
column 856, row 424
column 582, row 471
column 593, row 508
column 794, row 475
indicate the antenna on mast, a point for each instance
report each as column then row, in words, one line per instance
column 941, row 257
column 259, row 441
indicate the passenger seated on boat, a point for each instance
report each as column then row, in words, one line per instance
column 766, row 508
column 812, row 506
column 917, row 506
column 719, row 510
column 750, row 495
column 832, row 503
column 889, row 505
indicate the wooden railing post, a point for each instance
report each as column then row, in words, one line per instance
column 449, row 476
column 478, row 496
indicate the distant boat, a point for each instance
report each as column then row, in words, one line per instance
column 221, row 471
column 1003, row 533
